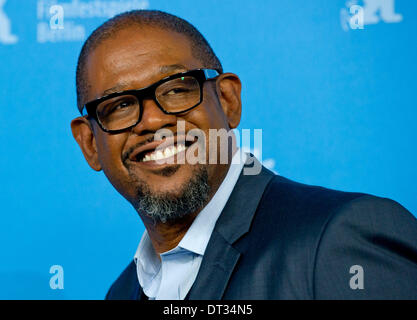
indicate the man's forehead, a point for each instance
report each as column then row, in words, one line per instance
column 141, row 43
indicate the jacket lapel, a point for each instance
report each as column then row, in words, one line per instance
column 220, row 257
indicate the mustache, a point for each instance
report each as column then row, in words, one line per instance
column 129, row 151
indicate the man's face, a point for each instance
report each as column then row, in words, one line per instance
column 133, row 59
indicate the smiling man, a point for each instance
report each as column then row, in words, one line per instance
column 212, row 231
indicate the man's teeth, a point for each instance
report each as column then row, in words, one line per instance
column 165, row 153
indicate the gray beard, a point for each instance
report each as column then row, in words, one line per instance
column 166, row 207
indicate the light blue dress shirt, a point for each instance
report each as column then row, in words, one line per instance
column 171, row 276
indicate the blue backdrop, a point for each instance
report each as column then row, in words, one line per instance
column 335, row 95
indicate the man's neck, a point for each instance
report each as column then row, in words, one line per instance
column 166, row 236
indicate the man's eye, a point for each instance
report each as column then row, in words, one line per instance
column 120, row 106
column 176, row 91
column 123, row 104
column 117, row 106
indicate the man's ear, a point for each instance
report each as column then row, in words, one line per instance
column 83, row 134
column 228, row 88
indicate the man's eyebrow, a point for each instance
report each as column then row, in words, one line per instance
column 117, row 88
column 171, row 68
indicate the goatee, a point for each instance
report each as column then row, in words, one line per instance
column 169, row 207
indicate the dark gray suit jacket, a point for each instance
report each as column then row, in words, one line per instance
column 279, row 239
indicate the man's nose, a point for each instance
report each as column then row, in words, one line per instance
column 153, row 118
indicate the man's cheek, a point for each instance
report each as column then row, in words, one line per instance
column 110, row 150
column 122, row 181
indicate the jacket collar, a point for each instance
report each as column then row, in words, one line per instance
column 221, row 257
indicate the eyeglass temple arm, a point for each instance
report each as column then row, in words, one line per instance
column 210, row 73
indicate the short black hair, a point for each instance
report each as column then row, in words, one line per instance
column 153, row 18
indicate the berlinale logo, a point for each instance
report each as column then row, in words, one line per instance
column 6, row 36
column 356, row 16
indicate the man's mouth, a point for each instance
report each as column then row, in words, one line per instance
column 160, row 150
column 164, row 154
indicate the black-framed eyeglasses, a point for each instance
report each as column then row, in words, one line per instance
column 175, row 94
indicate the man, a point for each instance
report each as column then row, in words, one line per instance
column 212, row 231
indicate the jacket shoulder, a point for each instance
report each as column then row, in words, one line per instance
column 301, row 211
column 304, row 204
column 368, row 250
column 316, row 208
column 321, row 233
column 126, row 286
